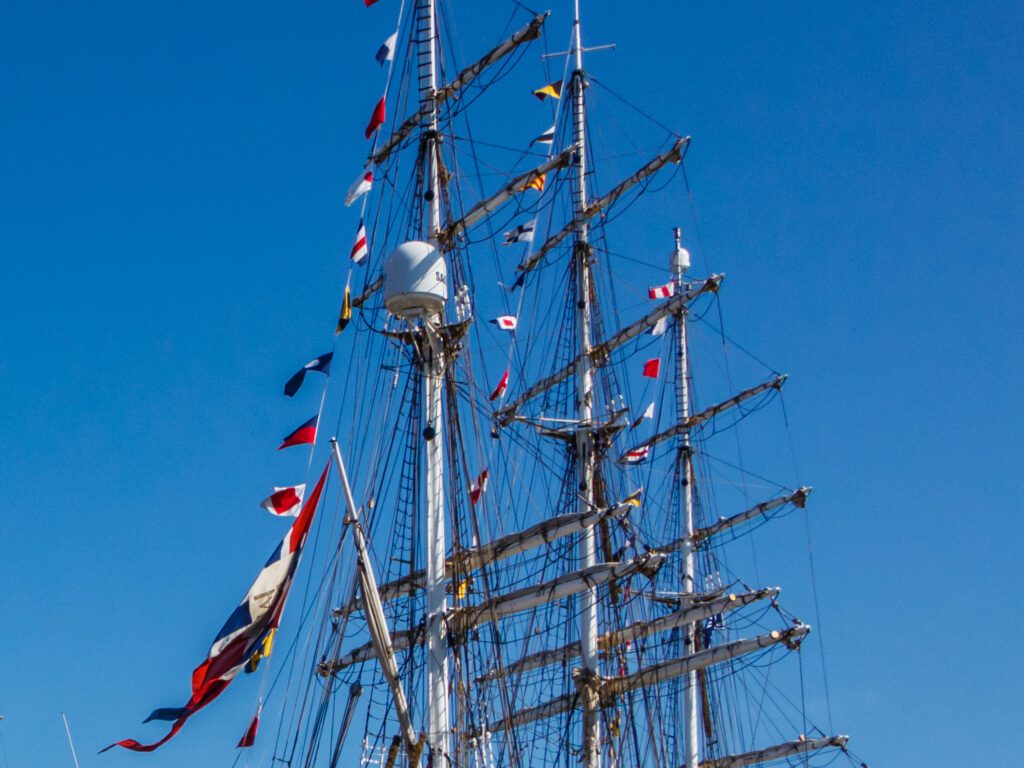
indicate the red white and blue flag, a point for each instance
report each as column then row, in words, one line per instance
column 636, row 455
column 304, row 435
column 360, row 250
column 243, row 634
column 285, row 502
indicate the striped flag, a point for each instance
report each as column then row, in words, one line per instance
column 636, row 455
column 247, row 627
column 661, row 291
column 536, row 183
column 360, row 250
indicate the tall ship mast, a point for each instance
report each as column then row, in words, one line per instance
column 531, row 533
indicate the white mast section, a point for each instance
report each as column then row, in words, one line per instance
column 432, row 370
column 584, row 402
column 680, row 262
column 375, row 619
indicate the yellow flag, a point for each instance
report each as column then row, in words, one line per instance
column 537, row 183
column 554, row 90
column 262, row 652
column 346, row 312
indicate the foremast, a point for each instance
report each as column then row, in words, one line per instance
column 584, row 403
column 432, row 362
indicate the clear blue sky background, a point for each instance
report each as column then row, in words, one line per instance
column 171, row 240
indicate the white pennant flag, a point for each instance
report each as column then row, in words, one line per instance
column 359, row 187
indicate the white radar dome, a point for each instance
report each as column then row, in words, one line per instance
column 415, row 280
column 679, row 261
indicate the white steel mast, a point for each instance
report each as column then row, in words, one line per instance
column 432, row 370
column 680, row 262
column 584, row 403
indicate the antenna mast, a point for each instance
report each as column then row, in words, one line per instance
column 584, row 404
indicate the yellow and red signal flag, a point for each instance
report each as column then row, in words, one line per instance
column 551, row 90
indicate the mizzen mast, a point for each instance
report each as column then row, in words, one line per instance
column 584, row 404
column 680, row 262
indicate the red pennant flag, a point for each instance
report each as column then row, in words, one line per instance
column 368, row 3
column 377, row 118
column 304, row 435
column 502, row 386
column 652, row 368
column 249, row 738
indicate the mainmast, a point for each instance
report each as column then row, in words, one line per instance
column 584, row 403
column 680, row 262
column 432, row 364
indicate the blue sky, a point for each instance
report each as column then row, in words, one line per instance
column 171, row 240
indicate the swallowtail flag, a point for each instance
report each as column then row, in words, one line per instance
column 321, row 364
column 243, row 635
